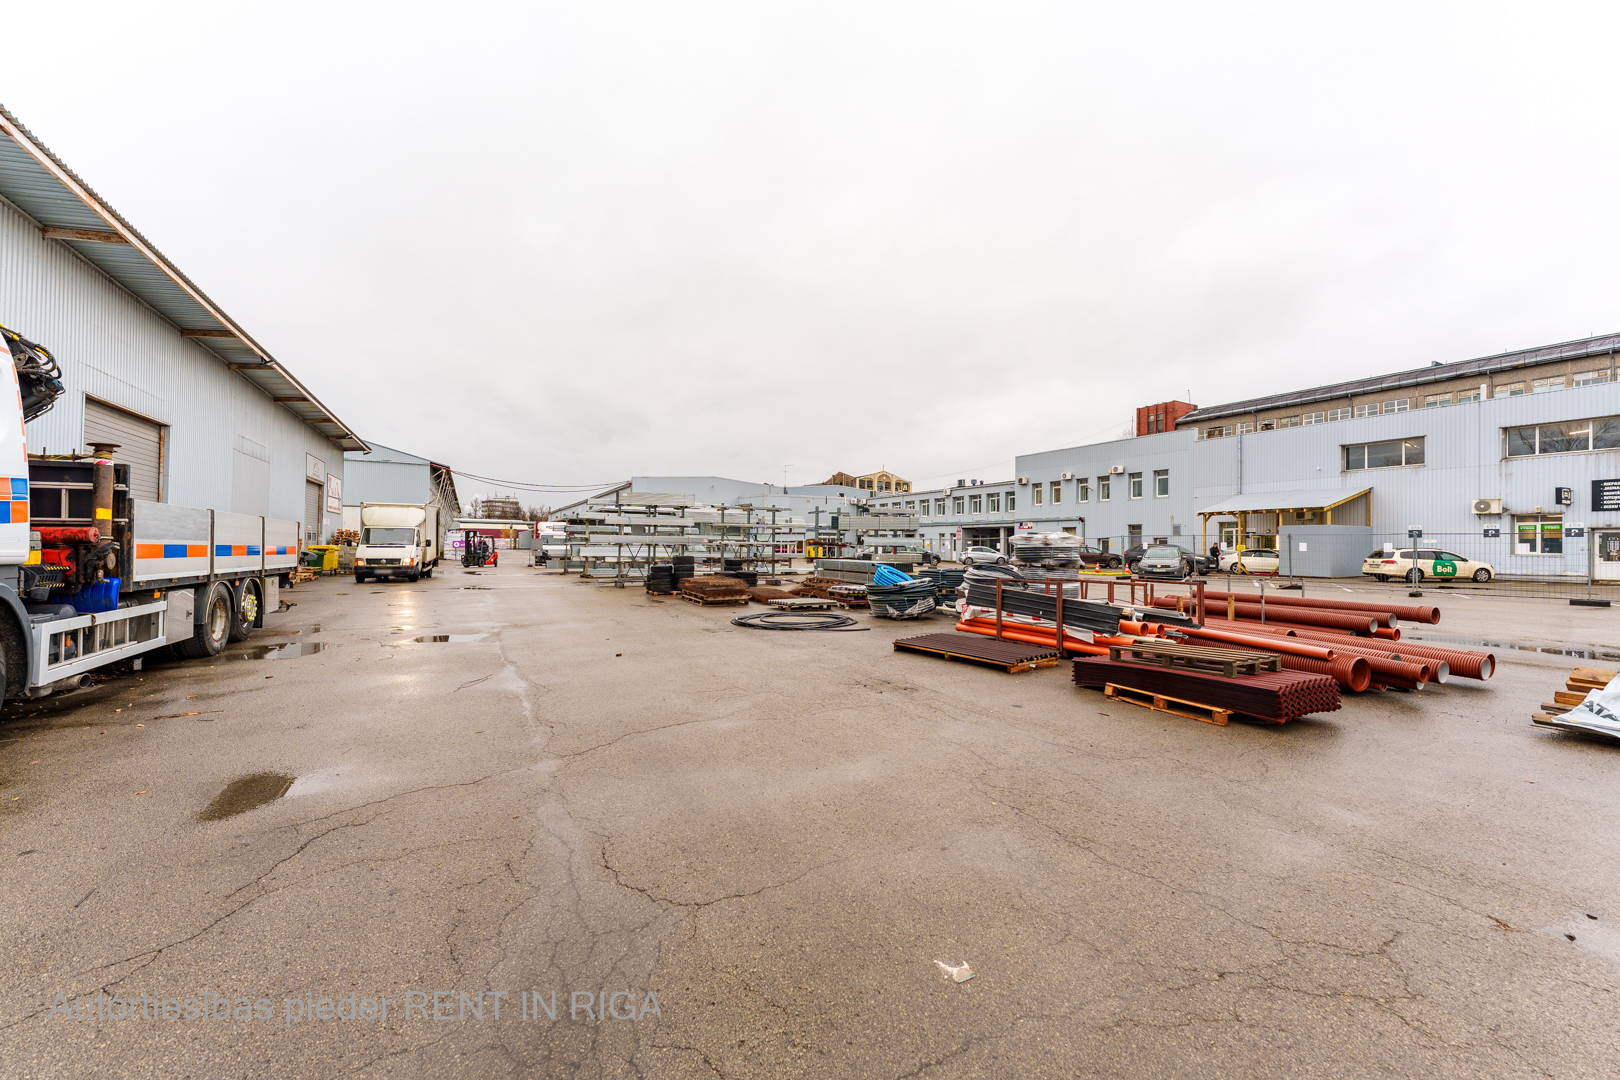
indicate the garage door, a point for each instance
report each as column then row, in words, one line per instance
column 139, row 442
column 312, row 512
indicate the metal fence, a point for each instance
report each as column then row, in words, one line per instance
column 1546, row 563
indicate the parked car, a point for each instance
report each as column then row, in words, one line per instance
column 1164, row 560
column 983, row 555
column 1202, row 564
column 1416, row 564
column 1108, row 560
column 1251, row 561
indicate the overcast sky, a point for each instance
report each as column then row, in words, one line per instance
column 568, row 243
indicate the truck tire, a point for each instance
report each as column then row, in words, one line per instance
column 246, row 613
column 210, row 637
column 361, row 577
column 413, row 576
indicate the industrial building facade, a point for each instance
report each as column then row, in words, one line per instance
column 203, row 415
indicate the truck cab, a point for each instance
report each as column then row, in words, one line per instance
column 397, row 540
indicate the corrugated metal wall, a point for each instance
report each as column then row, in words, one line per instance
column 114, row 348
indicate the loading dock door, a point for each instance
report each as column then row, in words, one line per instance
column 312, row 512
column 139, row 442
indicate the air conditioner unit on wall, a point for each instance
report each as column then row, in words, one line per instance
column 1117, row 469
column 1487, row 506
column 1066, row 476
column 1024, row 480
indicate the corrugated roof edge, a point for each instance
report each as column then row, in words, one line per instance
column 1568, row 350
column 19, row 132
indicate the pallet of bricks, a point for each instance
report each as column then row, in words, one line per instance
column 714, row 589
column 1578, row 709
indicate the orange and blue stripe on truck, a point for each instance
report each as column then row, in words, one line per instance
column 14, row 510
column 171, row 551
column 236, row 549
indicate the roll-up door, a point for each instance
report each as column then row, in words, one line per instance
column 139, row 442
column 312, row 512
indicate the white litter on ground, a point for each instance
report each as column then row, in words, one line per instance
column 961, row 972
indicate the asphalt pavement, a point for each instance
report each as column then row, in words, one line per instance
column 506, row 823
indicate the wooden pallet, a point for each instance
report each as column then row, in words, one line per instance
column 1583, row 679
column 715, row 600
column 800, row 603
column 302, row 574
column 1228, row 662
column 1209, row 714
column 1011, row 668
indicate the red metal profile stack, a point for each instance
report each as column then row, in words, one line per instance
column 1279, row 696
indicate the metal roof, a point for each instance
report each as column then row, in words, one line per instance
column 1266, row 502
column 1486, row 365
column 37, row 182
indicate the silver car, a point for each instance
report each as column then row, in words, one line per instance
column 983, row 555
column 1165, row 560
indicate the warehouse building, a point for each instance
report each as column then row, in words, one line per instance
column 152, row 367
column 382, row 474
column 1512, row 460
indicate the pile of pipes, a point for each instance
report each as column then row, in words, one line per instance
column 1279, row 696
column 892, row 594
column 1356, row 642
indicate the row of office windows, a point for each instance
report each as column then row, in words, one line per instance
column 1135, row 486
column 1544, row 385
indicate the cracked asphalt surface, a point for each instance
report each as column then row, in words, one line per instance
column 778, row 835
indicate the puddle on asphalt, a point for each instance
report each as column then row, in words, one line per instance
column 451, row 637
column 1577, row 652
column 473, row 588
column 285, row 652
column 246, row 793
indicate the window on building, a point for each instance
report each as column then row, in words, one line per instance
column 1552, row 382
column 1287, row 421
column 1244, row 429
column 939, row 507
column 1265, row 425
column 1103, row 487
column 1335, row 415
column 1217, row 432
column 1515, row 389
column 1136, row 485
column 911, row 504
column 1366, row 410
column 1161, row 483
column 1538, row 534
column 1591, row 378
column 1466, row 396
column 1082, row 491
column 1398, row 405
column 1057, row 492
column 1135, row 534
column 1569, row 437
column 992, row 502
column 1036, row 488
column 1012, row 501
column 975, row 504
column 1437, row 401
column 1384, row 455
column 1313, row 418
column 956, row 505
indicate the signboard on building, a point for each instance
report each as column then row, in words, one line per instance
column 315, row 468
column 1574, row 528
column 1606, row 495
column 1563, row 496
column 1414, row 534
column 1492, row 534
column 334, row 494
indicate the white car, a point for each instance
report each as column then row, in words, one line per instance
column 1252, row 561
column 983, row 555
column 1416, row 564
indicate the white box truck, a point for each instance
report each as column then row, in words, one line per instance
column 398, row 540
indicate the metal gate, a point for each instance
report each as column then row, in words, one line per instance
column 312, row 512
column 139, row 442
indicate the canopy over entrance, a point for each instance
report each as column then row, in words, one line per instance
column 1273, row 509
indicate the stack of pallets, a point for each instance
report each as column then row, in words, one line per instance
column 1207, row 684
column 714, row 590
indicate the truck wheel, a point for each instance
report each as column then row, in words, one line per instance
column 359, row 578
column 413, row 576
column 215, row 629
column 247, row 613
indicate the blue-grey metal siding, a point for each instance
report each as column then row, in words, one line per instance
column 116, row 349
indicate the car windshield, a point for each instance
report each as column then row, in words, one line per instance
column 1379, row 554
column 1162, row 553
column 389, row 536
